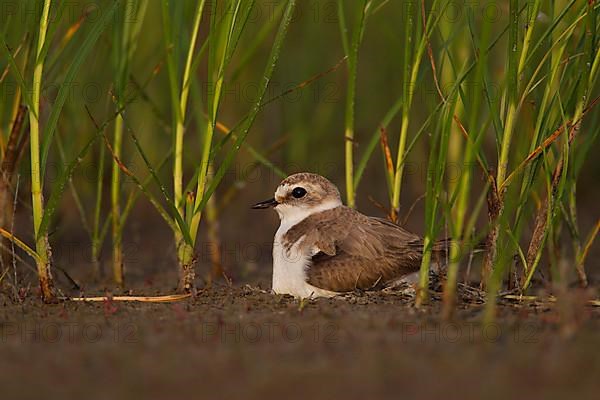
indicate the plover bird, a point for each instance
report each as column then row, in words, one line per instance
column 323, row 248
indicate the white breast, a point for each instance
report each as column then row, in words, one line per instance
column 290, row 265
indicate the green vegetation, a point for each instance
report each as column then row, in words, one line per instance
column 489, row 111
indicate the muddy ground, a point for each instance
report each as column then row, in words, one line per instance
column 241, row 341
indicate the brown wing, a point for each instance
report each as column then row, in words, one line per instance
column 356, row 251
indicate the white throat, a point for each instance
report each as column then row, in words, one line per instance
column 291, row 215
column 289, row 266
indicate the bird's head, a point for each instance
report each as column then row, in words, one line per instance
column 301, row 195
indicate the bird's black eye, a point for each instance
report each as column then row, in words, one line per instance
column 298, row 192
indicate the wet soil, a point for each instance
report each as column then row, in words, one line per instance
column 241, row 341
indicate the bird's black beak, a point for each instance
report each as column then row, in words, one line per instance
column 265, row 204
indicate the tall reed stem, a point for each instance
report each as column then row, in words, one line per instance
column 97, row 235
column 124, row 47
column 179, row 100
column 411, row 72
column 352, row 60
column 115, row 198
column 408, row 78
column 463, row 188
column 492, row 271
column 115, row 187
column 41, row 241
column 181, row 113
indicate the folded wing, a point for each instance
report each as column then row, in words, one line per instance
column 351, row 250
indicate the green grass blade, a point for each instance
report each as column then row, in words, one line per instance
column 351, row 54
column 181, row 224
column 25, row 91
column 66, row 86
column 60, row 184
column 266, row 78
column 364, row 160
